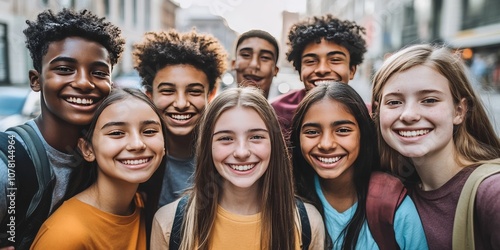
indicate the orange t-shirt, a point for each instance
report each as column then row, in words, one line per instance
column 78, row 225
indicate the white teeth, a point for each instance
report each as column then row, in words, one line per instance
column 329, row 160
column 181, row 117
column 135, row 162
column 317, row 83
column 242, row 167
column 413, row 133
column 83, row 101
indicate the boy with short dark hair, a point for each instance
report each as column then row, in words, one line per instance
column 256, row 60
column 73, row 54
column 321, row 49
column 180, row 72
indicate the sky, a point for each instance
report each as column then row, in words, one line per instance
column 244, row 15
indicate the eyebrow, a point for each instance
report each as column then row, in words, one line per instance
column 331, row 53
column 169, row 84
column 333, row 124
column 146, row 122
column 248, row 131
column 261, row 51
column 73, row 60
column 420, row 92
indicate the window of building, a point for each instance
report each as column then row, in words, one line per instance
column 478, row 13
column 4, row 55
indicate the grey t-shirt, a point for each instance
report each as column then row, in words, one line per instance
column 178, row 177
column 62, row 165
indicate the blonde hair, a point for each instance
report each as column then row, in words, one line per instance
column 474, row 139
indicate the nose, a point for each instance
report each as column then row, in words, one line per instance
column 255, row 63
column 82, row 82
column 327, row 142
column 135, row 143
column 181, row 101
column 410, row 113
column 323, row 68
column 241, row 151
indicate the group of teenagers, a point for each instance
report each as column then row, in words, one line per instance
column 180, row 166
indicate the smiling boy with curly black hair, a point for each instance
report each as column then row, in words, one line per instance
column 73, row 54
column 180, row 73
column 321, row 48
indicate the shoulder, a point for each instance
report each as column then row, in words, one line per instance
column 317, row 227
column 292, row 97
column 313, row 214
column 488, row 192
column 164, row 217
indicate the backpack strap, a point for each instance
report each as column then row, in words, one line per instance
column 175, row 234
column 385, row 194
column 305, row 224
column 32, row 180
column 463, row 225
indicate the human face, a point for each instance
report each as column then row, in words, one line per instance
column 329, row 139
column 241, row 147
column 181, row 93
column 75, row 77
column 255, row 64
column 325, row 61
column 417, row 113
column 127, row 142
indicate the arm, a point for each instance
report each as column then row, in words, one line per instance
column 317, row 227
column 408, row 227
column 487, row 207
column 162, row 226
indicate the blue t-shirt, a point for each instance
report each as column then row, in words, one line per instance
column 407, row 225
column 177, row 179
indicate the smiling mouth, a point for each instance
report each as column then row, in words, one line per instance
column 181, row 117
column 329, row 160
column 413, row 133
column 320, row 82
column 80, row 101
column 245, row 167
column 136, row 161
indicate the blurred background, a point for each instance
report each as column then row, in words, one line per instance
column 472, row 27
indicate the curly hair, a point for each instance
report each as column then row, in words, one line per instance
column 50, row 27
column 345, row 33
column 163, row 48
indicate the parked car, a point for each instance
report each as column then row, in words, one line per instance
column 17, row 105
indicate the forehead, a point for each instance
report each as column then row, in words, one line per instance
column 239, row 118
column 79, row 48
column 256, row 43
column 417, row 79
column 328, row 110
column 181, row 75
column 323, row 48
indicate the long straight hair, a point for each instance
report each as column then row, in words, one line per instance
column 85, row 176
column 277, row 193
column 474, row 139
column 364, row 165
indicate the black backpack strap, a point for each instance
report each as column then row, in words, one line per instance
column 306, row 225
column 385, row 194
column 20, row 169
column 175, row 234
column 34, row 185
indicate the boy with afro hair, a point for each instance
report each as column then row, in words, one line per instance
column 321, row 49
column 180, row 72
column 73, row 54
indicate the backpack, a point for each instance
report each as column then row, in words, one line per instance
column 385, row 194
column 463, row 225
column 175, row 235
column 30, row 185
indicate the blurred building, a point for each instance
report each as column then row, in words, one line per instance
column 134, row 17
column 469, row 25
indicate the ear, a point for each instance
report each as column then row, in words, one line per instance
column 149, row 94
column 212, row 94
column 233, row 63
column 460, row 111
column 86, row 149
column 34, row 77
column 276, row 70
column 353, row 72
column 374, row 109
